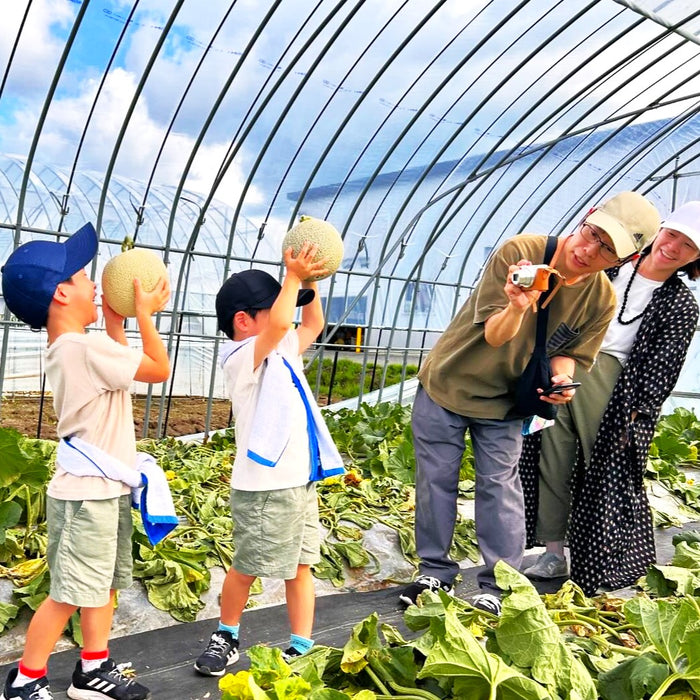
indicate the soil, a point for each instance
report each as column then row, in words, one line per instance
column 186, row 415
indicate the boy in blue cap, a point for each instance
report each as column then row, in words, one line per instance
column 44, row 284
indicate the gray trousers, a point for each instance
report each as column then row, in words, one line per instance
column 438, row 438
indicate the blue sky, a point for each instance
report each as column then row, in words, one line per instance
column 470, row 111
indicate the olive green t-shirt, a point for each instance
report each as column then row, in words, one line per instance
column 466, row 375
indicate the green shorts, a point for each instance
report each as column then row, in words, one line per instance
column 89, row 549
column 275, row 531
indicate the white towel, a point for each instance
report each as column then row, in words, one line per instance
column 149, row 487
column 272, row 426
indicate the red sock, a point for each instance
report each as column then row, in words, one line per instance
column 90, row 660
column 27, row 675
column 94, row 655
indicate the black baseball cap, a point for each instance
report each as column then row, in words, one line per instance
column 250, row 289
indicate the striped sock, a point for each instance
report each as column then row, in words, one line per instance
column 301, row 644
column 90, row 660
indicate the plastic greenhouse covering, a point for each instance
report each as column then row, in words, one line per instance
column 426, row 132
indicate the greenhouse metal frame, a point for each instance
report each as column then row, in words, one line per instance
column 426, row 132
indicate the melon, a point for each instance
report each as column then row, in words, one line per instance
column 324, row 235
column 119, row 274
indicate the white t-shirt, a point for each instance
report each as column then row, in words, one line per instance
column 243, row 383
column 619, row 338
column 90, row 375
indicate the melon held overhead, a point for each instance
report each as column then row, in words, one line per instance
column 321, row 233
column 119, row 273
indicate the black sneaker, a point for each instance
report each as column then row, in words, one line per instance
column 222, row 651
column 423, row 583
column 108, row 680
column 34, row 690
column 488, row 602
column 291, row 653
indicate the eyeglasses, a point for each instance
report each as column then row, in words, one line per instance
column 590, row 235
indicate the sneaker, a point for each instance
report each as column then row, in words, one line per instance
column 35, row 690
column 488, row 602
column 291, row 653
column 109, row 680
column 548, row 565
column 423, row 583
column 222, row 651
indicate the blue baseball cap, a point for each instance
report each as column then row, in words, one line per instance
column 34, row 270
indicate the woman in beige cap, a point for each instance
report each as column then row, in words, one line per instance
column 584, row 475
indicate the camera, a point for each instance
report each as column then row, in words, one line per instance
column 532, row 277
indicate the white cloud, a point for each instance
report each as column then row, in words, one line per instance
column 39, row 48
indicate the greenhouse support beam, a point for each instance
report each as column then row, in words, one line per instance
column 673, row 26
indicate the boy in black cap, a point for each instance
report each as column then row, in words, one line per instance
column 89, row 517
column 283, row 447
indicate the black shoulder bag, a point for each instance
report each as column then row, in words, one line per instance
column 538, row 371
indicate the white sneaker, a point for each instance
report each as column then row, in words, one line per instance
column 548, row 565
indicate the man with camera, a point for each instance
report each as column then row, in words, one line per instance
column 468, row 383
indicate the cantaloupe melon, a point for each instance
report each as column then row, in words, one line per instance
column 119, row 273
column 324, row 235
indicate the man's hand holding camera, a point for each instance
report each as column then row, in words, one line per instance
column 520, row 296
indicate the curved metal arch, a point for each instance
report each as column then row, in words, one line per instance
column 228, row 161
column 429, row 167
column 42, row 119
column 318, row 117
column 582, row 91
column 296, row 92
column 543, row 152
column 14, row 47
column 132, row 106
column 93, row 106
column 181, row 101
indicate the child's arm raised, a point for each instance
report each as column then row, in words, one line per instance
column 282, row 311
column 312, row 320
column 155, row 365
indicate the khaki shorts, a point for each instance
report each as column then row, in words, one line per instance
column 275, row 531
column 89, row 549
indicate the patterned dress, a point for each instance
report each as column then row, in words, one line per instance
column 610, row 528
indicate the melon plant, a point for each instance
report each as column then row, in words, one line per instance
column 119, row 274
column 324, row 235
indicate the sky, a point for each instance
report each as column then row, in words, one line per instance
column 307, row 82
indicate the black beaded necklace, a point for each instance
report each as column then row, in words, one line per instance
column 626, row 294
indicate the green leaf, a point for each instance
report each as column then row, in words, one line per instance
column 664, row 581
column 475, row 672
column 664, row 623
column 10, row 514
column 529, row 638
column 633, row 679
column 20, row 461
column 687, row 555
column 8, row 613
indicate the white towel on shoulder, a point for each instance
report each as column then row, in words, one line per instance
column 149, row 487
column 272, row 424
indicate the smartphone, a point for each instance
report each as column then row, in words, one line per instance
column 558, row 388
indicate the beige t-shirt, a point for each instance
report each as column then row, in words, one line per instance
column 90, row 375
column 243, row 383
column 466, row 375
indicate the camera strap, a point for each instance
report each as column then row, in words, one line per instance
column 549, row 256
column 551, row 253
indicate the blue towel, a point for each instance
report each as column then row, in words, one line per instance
column 272, row 426
column 149, row 488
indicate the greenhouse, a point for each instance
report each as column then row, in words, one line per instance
column 428, row 133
